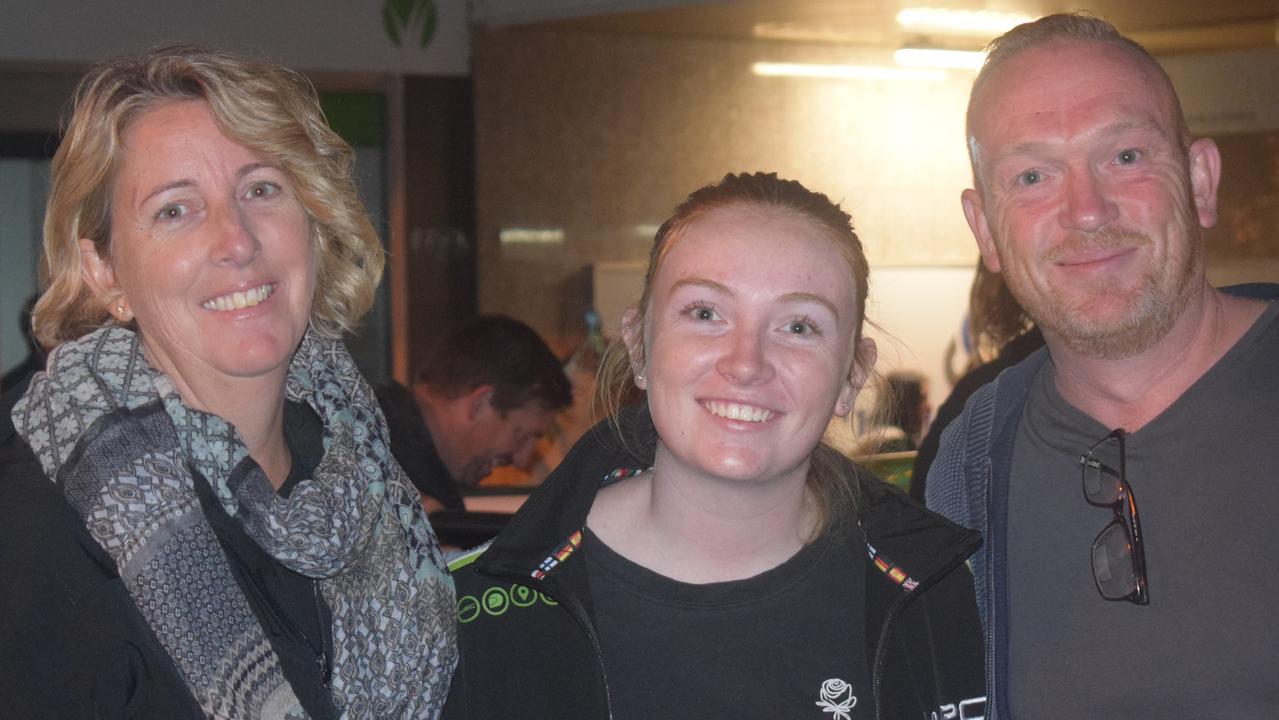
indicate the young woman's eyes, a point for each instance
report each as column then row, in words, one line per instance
column 803, row 326
column 701, row 312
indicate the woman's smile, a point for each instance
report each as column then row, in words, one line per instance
column 737, row 411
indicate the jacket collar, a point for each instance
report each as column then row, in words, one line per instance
column 902, row 534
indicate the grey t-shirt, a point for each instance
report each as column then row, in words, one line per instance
column 1205, row 475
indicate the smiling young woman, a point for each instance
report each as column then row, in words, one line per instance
column 703, row 554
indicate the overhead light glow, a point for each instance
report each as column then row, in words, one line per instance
column 845, row 72
column 530, row 236
column 987, row 23
column 801, row 33
column 936, row 58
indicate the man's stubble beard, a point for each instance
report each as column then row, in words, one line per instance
column 1155, row 306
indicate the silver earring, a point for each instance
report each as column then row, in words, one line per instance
column 120, row 309
column 639, row 379
column 844, row 406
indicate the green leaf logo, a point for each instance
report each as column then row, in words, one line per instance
column 400, row 16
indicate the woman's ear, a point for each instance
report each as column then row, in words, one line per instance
column 633, row 338
column 97, row 273
column 864, row 357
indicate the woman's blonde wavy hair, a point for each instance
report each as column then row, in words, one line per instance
column 272, row 111
column 827, row 481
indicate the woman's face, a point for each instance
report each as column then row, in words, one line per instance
column 210, row 252
column 750, row 334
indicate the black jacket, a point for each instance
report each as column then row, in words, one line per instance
column 527, row 633
column 73, row 643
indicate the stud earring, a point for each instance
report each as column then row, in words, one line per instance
column 119, row 309
column 639, row 379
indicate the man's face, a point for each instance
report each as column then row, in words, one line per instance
column 1089, row 203
column 495, row 439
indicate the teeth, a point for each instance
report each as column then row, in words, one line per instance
column 240, row 300
column 738, row 411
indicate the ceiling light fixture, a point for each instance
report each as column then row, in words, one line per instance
column 845, row 72
column 530, row 236
column 985, row 23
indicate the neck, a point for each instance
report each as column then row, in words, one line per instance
column 697, row 529
column 254, row 406
column 1130, row 392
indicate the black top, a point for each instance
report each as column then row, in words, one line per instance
column 413, row 447
column 75, row 645
column 287, row 604
column 784, row 643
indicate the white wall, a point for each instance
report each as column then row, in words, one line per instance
column 311, row 35
column 920, row 312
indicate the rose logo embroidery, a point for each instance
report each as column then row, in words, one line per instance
column 837, row 699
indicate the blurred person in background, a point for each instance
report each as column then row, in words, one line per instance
column 1002, row 336
column 199, row 515
column 900, row 416
column 486, row 394
column 702, row 554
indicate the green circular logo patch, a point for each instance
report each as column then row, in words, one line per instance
column 495, row 601
column 468, row 608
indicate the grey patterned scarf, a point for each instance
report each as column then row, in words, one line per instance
column 116, row 435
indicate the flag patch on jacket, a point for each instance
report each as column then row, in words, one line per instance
column 559, row 556
column 889, row 568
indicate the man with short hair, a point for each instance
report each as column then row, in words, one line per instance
column 1124, row 476
column 485, row 395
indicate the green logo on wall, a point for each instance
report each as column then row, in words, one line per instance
column 401, row 16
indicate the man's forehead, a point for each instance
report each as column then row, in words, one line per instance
column 1074, row 64
column 1067, row 82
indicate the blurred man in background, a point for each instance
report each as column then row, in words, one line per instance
column 487, row 392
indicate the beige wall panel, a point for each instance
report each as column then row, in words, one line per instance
column 601, row 135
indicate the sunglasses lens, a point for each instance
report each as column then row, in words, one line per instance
column 1112, row 564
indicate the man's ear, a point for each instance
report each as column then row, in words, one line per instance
column 1205, row 176
column 478, row 401
column 96, row 272
column 633, row 338
column 974, row 213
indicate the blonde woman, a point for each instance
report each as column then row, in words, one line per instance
column 199, row 514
